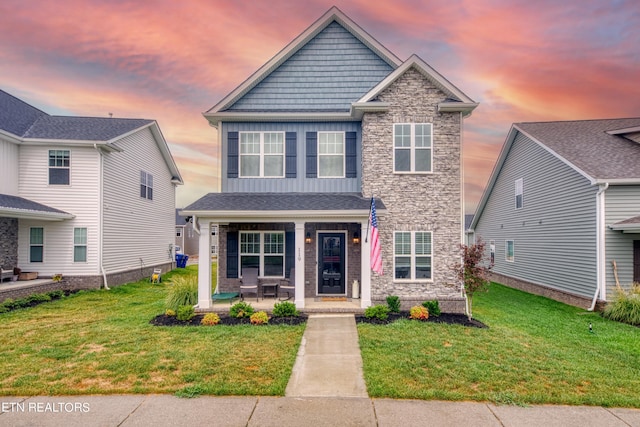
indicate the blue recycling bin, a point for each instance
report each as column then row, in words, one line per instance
column 181, row 260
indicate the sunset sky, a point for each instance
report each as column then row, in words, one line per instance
column 171, row 60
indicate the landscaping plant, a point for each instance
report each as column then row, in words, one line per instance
column 418, row 312
column 259, row 318
column 183, row 291
column 433, row 307
column 625, row 306
column 241, row 309
column 393, row 302
column 185, row 313
column 473, row 272
column 210, row 319
column 285, row 309
column 377, row 311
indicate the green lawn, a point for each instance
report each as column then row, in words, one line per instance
column 535, row 351
column 101, row 342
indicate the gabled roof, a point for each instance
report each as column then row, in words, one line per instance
column 18, row 207
column 596, row 149
column 16, row 116
column 629, row 225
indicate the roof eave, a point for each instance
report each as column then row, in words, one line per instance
column 37, row 215
column 466, row 108
column 626, row 228
column 233, row 116
column 279, row 215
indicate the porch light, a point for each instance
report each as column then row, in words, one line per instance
column 307, row 238
column 356, row 238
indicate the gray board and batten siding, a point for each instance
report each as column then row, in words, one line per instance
column 328, row 73
column 621, row 202
column 300, row 183
column 554, row 233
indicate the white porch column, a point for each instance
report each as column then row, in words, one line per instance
column 204, row 266
column 299, row 254
column 365, row 267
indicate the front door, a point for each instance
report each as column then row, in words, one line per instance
column 331, row 262
column 636, row 261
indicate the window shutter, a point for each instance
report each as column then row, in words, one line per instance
column 312, row 154
column 232, row 254
column 232, row 154
column 351, row 157
column 290, row 252
column 291, row 146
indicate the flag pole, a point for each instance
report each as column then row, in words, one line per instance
column 366, row 237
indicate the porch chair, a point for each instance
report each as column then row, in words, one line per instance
column 249, row 282
column 290, row 285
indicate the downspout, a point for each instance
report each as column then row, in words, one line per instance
column 462, row 241
column 600, row 243
column 101, row 213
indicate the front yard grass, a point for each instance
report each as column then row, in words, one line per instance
column 101, row 342
column 535, row 351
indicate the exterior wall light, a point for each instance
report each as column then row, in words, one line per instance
column 307, row 238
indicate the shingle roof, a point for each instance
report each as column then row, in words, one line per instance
column 16, row 116
column 15, row 202
column 282, row 202
column 587, row 145
column 629, row 221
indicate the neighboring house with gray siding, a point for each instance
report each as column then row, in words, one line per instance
column 88, row 197
column 332, row 120
column 562, row 204
column 188, row 239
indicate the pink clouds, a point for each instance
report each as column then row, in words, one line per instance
column 167, row 60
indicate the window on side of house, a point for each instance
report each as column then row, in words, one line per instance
column 59, row 167
column 413, row 255
column 262, row 154
column 263, row 250
column 492, row 249
column 36, row 244
column 146, row 185
column 413, row 147
column 331, row 155
column 509, row 251
column 79, row 245
column 178, row 231
column 519, row 193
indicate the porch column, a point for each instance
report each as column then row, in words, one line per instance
column 204, row 266
column 299, row 292
column 365, row 266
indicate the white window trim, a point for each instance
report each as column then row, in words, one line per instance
column 262, row 155
column 519, row 191
column 178, row 231
column 344, row 155
column 261, row 255
column 412, row 149
column 32, row 245
column 492, row 251
column 86, row 245
column 148, row 183
column 413, row 258
column 58, row 167
column 506, row 251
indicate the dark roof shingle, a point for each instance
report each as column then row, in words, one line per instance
column 20, row 203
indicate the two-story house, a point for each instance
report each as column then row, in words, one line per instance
column 331, row 121
column 88, row 197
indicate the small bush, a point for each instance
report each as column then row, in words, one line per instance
column 210, row 319
column 377, row 311
column 285, row 309
column 170, row 312
column 259, row 318
column 433, row 307
column 393, row 302
column 419, row 312
column 241, row 309
column 185, row 313
column 36, row 298
column 183, row 291
column 625, row 306
column 56, row 294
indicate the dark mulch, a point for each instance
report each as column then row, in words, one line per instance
column 449, row 318
column 164, row 320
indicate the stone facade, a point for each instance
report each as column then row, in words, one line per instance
column 416, row 202
column 8, row 242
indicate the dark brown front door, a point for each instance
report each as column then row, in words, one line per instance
column 331, row 262
column 636, row 261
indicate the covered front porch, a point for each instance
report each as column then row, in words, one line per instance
column 311, row 305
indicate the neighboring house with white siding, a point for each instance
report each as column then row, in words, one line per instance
column 562, row 204
column 332, row 120
column 90, row 198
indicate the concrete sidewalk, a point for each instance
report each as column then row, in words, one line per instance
column 166, row 410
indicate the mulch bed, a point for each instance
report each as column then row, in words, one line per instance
column 449, row 318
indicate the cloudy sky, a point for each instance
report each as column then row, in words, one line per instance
column 171, row 60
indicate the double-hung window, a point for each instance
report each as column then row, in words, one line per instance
column 509, row 251
column 79, row 245
column 331, row 158
column 263, row 250
column 59, row 165
column 262, row 154
column 413, row 255
column 36, row 244
column 412, row 147
column 146, row 185
column 519, row 193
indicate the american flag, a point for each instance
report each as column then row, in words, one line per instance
column 376, row 255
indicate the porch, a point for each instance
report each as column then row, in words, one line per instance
column 311, row 305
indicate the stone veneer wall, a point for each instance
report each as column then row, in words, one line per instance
column 8, row 242
column 416, row 202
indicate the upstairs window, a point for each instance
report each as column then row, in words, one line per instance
column 262, row 154
column 331, row 155
column 146, row 185
column 59, row 167
column 519, row 193
column 412, row 147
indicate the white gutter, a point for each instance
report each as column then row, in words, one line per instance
column 101, row 220
column 196, row 226
column 601, row 271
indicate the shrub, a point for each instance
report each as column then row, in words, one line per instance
column 56, row 294
column 184, row 291
column 625, row 306
column 241, row 309
column 433, row 307
column 170, row 312
column 285, row 309
column 36, row 298
column 185, row 313
column 210, row 319
column 394, row 303
column 259, row 318
column 377, row 311
column 419, row 312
